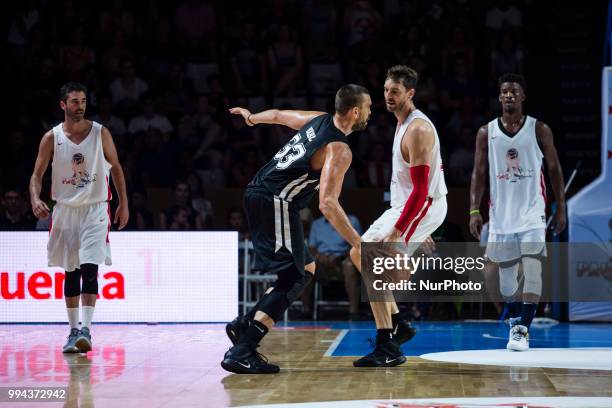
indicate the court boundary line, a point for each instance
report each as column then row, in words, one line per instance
column 332, row 347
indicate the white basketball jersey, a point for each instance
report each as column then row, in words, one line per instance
column 401, row 183
column 516, row 177
column 80, row 173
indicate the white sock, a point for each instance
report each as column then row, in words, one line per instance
column 88, row 312
column 73, row 317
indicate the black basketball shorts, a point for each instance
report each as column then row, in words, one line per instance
column 277, row 234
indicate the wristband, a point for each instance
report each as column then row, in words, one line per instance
column 474, row 212
column 249, row 120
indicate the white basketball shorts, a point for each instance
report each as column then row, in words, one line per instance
column 79, row 235
column 508, row 247
column 427, row 220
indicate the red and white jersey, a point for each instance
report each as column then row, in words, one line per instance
column 80, row 173
column 516, row 177
column 401, row 183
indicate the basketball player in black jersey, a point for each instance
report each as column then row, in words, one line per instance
column 316, row 158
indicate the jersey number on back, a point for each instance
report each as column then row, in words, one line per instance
column 290, row 153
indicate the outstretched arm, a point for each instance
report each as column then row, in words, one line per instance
column 110, row 153
column 555, row 173
column 338, row 158
column 45, row 152
column 291, row 118
column 479, row 180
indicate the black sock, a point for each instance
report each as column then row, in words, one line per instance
column 383, row 335
column 527, row 313
column 254, row 334
column 514, row 309
column 395, row 318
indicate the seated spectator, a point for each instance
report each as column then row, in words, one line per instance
column 187, row 137
column 461, row 160
column 217, row 97
column 360, row 17
column 77, row 55
column 285, row 61
column 178, row 91
column 202, row 116
column 188, row 218
column 457, row 47
column 196, row 25
column 503, row 16
column 141, row 218
column 319, row 23
column 150, row 119
column 158, row 163
column 248, row 62
column 127, row 89
column 459, row 85
column 507, row 57
column 245, row 169
column 198, row 202
column 112, row 57
column 377, row 169
column 467, row 115
column 16, row 158
column 16, row 215
column 180, row 220
column 413, row 45
column 330, row 251
column 213, row 173
column 427, row 97
column 105, row 117
column 236, row 221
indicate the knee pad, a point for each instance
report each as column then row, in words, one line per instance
column 72, row 283
column 276, row 302
column 298, row 286
column 532, row 271
column 90, row 279
column 508, row 279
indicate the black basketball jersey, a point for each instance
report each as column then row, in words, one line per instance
column 289, row 175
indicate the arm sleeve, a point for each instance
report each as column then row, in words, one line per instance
column 420, row 177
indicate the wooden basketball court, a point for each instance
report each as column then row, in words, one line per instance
column 178, row 366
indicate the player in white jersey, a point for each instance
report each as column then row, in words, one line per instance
column 84, row 156
column 512, row 146
column 418, row 205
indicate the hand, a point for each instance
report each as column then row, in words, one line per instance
column 245, row 114
column 476, row 225
column 394, row 236
column 428, row 246
column 122, row 216
column 40, row 209
column 560, row 221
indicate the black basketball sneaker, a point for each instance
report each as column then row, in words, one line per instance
column 386, row 353
column 245, row 359
column 403, row 332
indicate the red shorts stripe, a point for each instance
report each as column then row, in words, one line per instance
column 110, row 193
column 415, row 223
column 109, row 221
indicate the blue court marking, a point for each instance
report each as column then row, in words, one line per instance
column 435, row 337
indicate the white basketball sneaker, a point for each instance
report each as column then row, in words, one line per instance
column 519, row 338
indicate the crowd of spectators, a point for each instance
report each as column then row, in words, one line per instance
column 162, row 74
